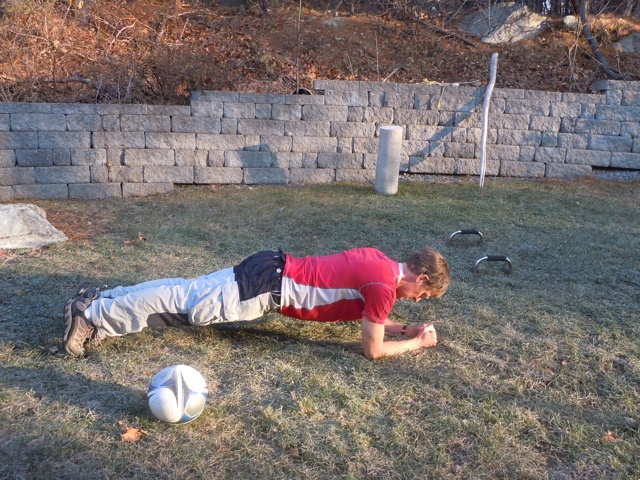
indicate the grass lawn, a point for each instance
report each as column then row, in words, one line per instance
column 536, row 374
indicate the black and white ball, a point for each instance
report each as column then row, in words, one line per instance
column 177, row 394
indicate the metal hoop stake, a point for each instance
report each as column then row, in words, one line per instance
column 494, row 258
column 468, row 231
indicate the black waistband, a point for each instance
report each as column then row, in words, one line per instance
column 261, row 273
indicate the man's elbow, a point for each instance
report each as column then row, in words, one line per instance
column 372, row 353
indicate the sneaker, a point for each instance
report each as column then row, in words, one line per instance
column 77, row 328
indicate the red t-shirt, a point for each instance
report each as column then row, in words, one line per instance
column 354, row 284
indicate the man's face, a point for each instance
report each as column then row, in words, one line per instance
column 415, row 290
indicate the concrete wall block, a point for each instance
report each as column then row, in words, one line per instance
column 474, row 135
column 171, row 110
column 309, row 160
column 7, row 158
column 381, row 87
column 260, row 127
column 145, row 189
column 61, row 157
column 472, row 166
column 463, row 150
column 403, row 116
column 5, row 122
column 182, row 124
column 18, row 140
column 467, row 119
column 247, row 159
column 414, row 148
column 636, row 145
column 272, row 98
column 324, row 113
column 598, row 127
column 459, row 135
column 567, row 172
column 422, row 101
column 239, row 110
column 110, row 123
column 140, row 156
column 218, row 175
column 447, row 119
column 588, row 157
column 522, row 169
column 263, row 111
column 220, row 142
column 505, row 153
column 215, row 158
column 162, row 174
column 253, row 176
column 450, row 102
column 630, row 129
column 190, row 158
column 509, row 122
column 64, row 140
column 304, row 99
column 315, row 144
column 17, row 107
column 350, row 98
column 84, row 123
column 6, row 194
column 420, row 88
column 345, row 145
column 59, row 190
column 549, row 139
column 370, row 161
column 95, row 190
column 614, row 97
column 214, row 97
column 63, row 174
column 355, row 114
column 89, row 157
column 74, row 108
column 563, row 109
column 588, row 111
column 99, row 174
column 17, row 176
column 286, row 112
column 37, row 122
column 528, row 107
column 623, row 114
column 625, row 160
column 527, row 154
column 630, row 98
column 398, row 100
column 545, row 124
column 352, row 129
column 570, row 140
column 121, row 109
column 428, row 132
column 508, row 93
column 519, row 137
column 312, row 176
column 275, row 143
column 205, row 108
column 434, row 165
column 118, row 139
column 540, row 96
column 175, row 141
column 365, row 145
column 145, row 123
column 436, row 149
column 355, row 176
column 340, row 160
column 307, row 128
column 549, row 155
column 568, row 125
column 376, row 99
column 229, row 126
column 613, row 144
column 34, row 158
column 583, row 98
column 286, row 160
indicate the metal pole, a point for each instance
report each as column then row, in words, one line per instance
column 485, row 116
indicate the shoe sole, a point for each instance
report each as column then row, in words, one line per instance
column 69, row 330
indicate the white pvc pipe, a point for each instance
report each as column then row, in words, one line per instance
column 485, row 116
column 388, row 164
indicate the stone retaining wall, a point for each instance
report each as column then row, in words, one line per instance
column 97, row 151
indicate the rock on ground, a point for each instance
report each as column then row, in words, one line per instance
column 26, row 226
column 504, row 23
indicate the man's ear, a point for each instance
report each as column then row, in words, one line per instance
column 422, row 278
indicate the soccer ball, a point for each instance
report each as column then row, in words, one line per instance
column 177, row 394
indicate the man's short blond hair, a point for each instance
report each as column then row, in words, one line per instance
column 431, row 263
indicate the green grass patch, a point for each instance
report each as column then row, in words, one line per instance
column 536, row 374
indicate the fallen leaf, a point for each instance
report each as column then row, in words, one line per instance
column 140, row 239
column 132, row 434
column 610, row 437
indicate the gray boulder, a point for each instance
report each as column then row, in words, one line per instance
column 504, row 23
column 26, row 226
column 628, row 44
